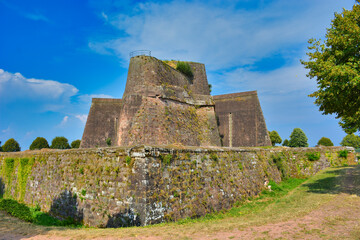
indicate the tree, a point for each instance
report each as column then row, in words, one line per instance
column 324, row 141
column 351, row 140
column 11, row 145
column 286, row 143
column 0, row 147
column 75, row 143
column 275, row 137
column 39, row 143
column 298, row 138
column 335, row 65
column 60, row 143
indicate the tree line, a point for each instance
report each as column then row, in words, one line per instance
column 298, row 139
column 11, row 145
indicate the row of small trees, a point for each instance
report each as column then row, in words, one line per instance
column 299, row 139
column 12, row 145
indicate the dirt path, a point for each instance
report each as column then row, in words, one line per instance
column 336, row 218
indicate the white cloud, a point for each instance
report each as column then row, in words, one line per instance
column 104, row 16
column 285, row 80
column 7, row 130
column 14, row 86
column 29, row 134
column 37, row 17
column 64, row 121
column 82, row 117
column 220, row 36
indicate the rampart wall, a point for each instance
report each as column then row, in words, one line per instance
column 113, row 187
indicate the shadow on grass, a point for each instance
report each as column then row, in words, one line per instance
column 344, row 180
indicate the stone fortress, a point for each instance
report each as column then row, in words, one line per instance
column 189, row 176
column 162, row 106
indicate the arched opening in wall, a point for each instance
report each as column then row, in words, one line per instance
column 230, row 130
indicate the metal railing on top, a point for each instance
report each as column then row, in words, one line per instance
column 140, row 53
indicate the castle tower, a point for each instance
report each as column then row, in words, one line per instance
column 162, row 106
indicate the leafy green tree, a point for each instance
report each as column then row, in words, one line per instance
column 286, row 143
column 0, row 147
column 324, row 141
column 275, row 137
column 351, row 140
column 75, row 143
column 11, row 145
column 39, row 143
column 335, row 65
column 298, row 138
column 60, row 143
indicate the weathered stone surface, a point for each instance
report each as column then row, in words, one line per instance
column 114, row 187
column 102, row 122
column 162, row 106
column 241, row 121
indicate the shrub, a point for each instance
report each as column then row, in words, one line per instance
column 11, row 146
column 214, row 157
column 278, row 161
column 286, row 143
column 343, row 153
column 108, row 141
column 185, row 68
column 275, row 137
column 351, row 140
column 128, row 160
column 298, row 138
column 324, row 141
column 313, row 156
column 60, row 143
column 167, row 159
column 75, row 143
column 39, row 143
column 16, row 209
column 33, row 215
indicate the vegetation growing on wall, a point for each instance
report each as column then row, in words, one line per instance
column 191, row 182
column 24, row 169
column 185, row 68
column 343, row 153
column 313, row 156
column 108, row 142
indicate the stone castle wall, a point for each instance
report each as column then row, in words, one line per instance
column 112, row 187
column 102, row 122
column 162, row 106
column 241, row 121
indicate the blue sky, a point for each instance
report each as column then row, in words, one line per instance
column 56, row 55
